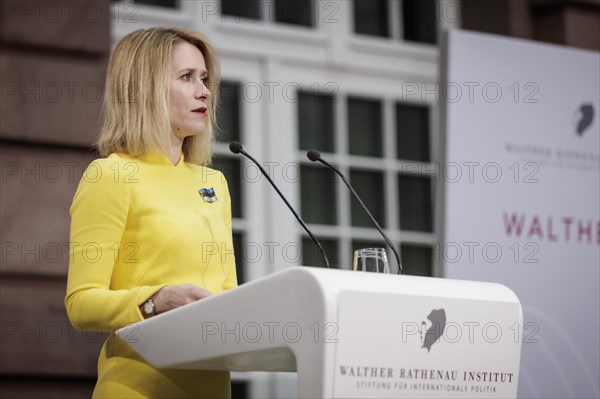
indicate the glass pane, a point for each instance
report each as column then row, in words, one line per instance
column 239, row 389
column 159, row 3
column 315, row 121
column 249, row 9
column 417, row 260
column 412, row 130
column 318, row 195
column 369, row 186
column 419, row 18
column 371, row 17
column 231, row 168
column 415, row 203
column 296, row 12
column 229, row 113
column 311, row 256
column 238, row 248
column 365, row 127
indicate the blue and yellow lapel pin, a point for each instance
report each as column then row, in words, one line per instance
column 208, row 194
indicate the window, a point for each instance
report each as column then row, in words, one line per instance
column 231, row 168
column 159, row 3
column 418, row 20
column 410, row 20
column 400, row 201
column 370, row 188
column 291, row 12
column 371, row 17
column 229, row 112
column 229, row 128
column 318, row 193
column 316, row 116
column 415, row 203
column 411, row 122
column 365, row 127
column 247, row 9
column 239, row 389
column 294, row 12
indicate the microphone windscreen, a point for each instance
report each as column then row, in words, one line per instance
column 235, row 147
column 313, row 155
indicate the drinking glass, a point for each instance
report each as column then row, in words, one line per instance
column 371, row 260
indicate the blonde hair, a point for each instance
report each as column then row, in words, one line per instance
column 135, row 112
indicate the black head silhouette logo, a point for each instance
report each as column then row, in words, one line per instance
column 433, row 333
column 584, row 116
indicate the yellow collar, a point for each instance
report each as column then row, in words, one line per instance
column 157, row 157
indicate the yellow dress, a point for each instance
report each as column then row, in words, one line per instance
column 137, row 225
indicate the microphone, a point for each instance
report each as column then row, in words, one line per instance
column 315, row 156
column 237, row 148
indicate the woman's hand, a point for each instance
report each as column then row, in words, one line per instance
column 174, row 296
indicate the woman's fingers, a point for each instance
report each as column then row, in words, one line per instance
column 174, row 296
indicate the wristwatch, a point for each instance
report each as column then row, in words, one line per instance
column 148, row 308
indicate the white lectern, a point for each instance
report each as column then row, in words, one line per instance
column 349, row 334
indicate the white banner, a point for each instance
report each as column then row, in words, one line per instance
column 412, row 346
column 521, row 195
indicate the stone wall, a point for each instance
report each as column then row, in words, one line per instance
column 53, row 63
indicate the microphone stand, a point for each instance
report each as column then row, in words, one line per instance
column 315, row 156
column 237, row 148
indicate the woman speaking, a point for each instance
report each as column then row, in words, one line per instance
column 150, row 223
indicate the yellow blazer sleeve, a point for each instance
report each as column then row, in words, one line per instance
column 98, row 219
column 231, row 276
